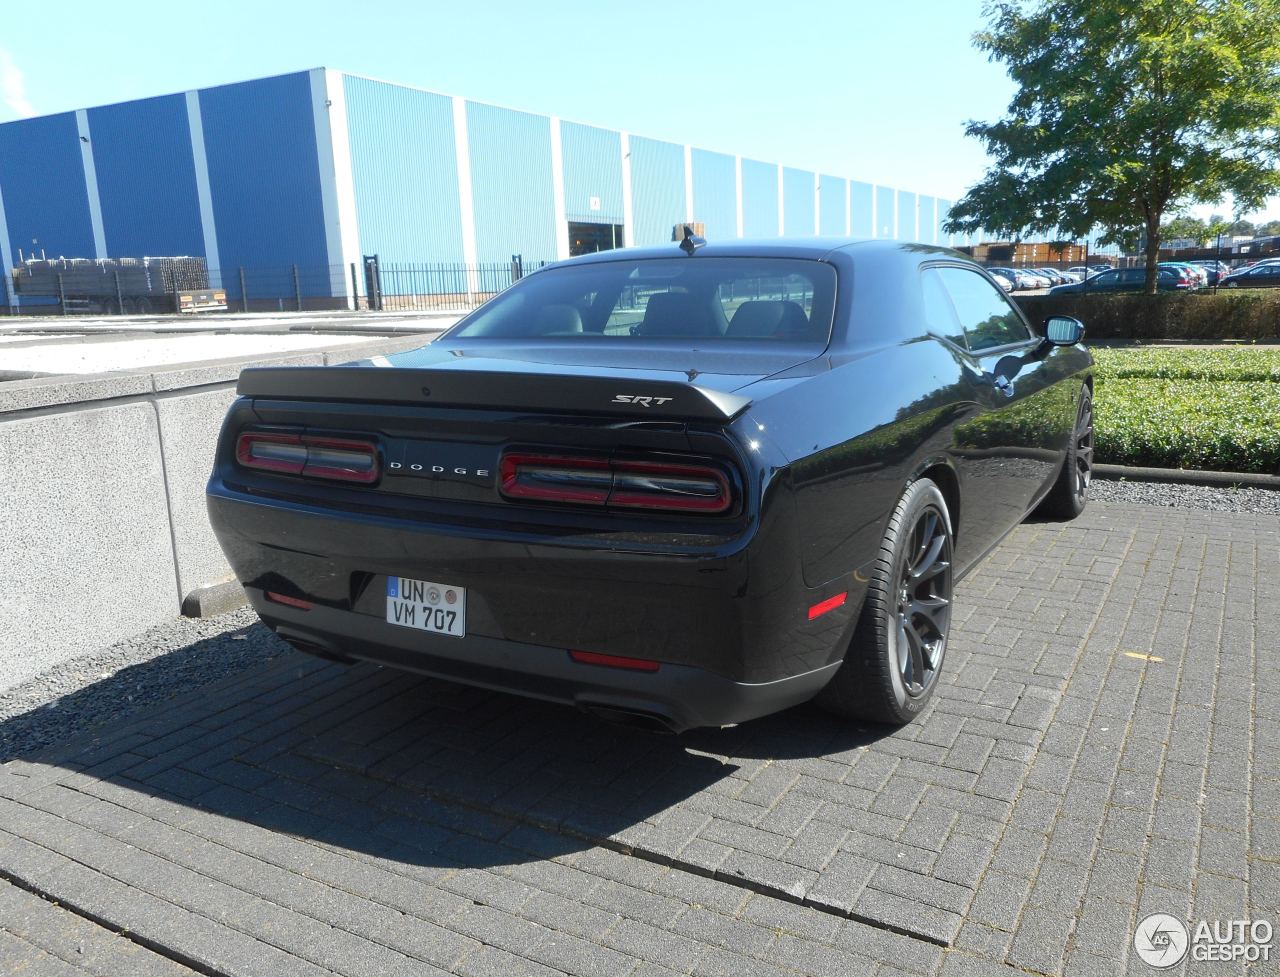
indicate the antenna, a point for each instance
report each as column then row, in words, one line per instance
column 691, row 241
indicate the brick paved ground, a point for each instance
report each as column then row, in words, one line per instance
column 1105, row 746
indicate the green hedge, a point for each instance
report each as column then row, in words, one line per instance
column 1251, row 316
column 1200, row 424
column 1226, row 363
column 1215, row 409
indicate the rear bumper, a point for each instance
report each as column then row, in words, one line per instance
column 675, row 697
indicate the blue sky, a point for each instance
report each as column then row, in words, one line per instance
column 874, row 91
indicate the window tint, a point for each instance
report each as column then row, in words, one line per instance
column 1133, row 276
column 985, row 314
column 702, row 299
column 939, row 315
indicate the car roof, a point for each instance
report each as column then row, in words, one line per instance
column 815, row 248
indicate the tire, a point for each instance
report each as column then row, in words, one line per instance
column 887, row 677
column 1070, row 492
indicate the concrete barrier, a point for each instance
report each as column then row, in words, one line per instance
column 103, row 532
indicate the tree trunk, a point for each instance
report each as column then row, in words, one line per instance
column 1153, row 253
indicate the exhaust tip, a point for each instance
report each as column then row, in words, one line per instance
column 308, row 647
column 648, row 722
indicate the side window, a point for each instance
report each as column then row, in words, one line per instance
column 987, row 317
column 939, row 315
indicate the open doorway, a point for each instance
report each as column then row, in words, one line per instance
column 585, row 238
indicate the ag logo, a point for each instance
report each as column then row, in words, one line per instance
column 1161, row 940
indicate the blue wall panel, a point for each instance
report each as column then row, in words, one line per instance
column 657, row 188
column 906, row 216
column 715, row 194
column 405, row 170
column 592, row 168
column 264, row 179
column 146, row 178
column 797, row 196
column 860, row 198
column 928, row 224
column 511, row 184
column 886, row 209
column 42, row 178
column 830, row 204
column 759, row 199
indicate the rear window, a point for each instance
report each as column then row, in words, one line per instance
column 696, row 299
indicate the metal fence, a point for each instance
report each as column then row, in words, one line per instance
column 370, row 285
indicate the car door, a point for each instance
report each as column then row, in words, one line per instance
column 1009, row 448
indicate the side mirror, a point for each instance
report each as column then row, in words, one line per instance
column 1063, row 330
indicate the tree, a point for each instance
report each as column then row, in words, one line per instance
column 1126, row 110
column 1185, row 226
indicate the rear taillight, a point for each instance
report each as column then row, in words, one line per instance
column 675, row 486
column 337, row 459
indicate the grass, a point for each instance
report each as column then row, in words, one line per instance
column 1212, row 409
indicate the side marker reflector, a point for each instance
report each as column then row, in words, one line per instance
column 830, row 604
column 287, row 601
column 614, row 661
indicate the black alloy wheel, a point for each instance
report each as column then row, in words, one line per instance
column 895, row 657
column 924, row 603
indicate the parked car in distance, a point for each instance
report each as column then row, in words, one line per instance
column 1081, row 272
column 1217, row 270
column 1265, row 274
column 1129, row 280
column 1054, row 276
column 1021, row 278
column 674, row 486
column 1101, row 267
column 1194, row 272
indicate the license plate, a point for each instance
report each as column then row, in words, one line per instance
column 426, row 606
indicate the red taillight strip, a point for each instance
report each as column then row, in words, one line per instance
column 689, row 474
column 363, row 449
column 615, row 661
column 615, row 482
column 830, row 604
column 246, row 457
column 548, row 468
column 336, row 459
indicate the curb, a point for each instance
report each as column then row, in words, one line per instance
column 1188, row 476
column 218, row 598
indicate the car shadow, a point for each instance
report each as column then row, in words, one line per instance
column 398, row 766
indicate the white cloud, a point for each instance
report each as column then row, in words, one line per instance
column 13, row 87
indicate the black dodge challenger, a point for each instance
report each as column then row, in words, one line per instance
column 676, row 487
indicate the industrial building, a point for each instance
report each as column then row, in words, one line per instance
column 295, row 178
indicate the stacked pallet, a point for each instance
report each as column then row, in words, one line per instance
column 97, row 276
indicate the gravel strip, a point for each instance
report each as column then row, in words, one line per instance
column 114, row 684
column 1177, row 496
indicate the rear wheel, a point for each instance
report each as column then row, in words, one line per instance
column 1070, row 493
column 893, row 662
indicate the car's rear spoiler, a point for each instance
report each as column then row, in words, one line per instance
column 652, row 399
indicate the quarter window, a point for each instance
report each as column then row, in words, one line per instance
column 987, row 317
column 939, row 315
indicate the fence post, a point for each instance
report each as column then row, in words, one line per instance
column 119, row 296
column 355, row 290
column 244, row 293
column 62, row 297
column 297, row 290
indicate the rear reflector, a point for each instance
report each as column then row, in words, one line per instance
column 635, row 484
column 287, row 601
column 830, row 604
column 337, row 459
column 614, row 661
